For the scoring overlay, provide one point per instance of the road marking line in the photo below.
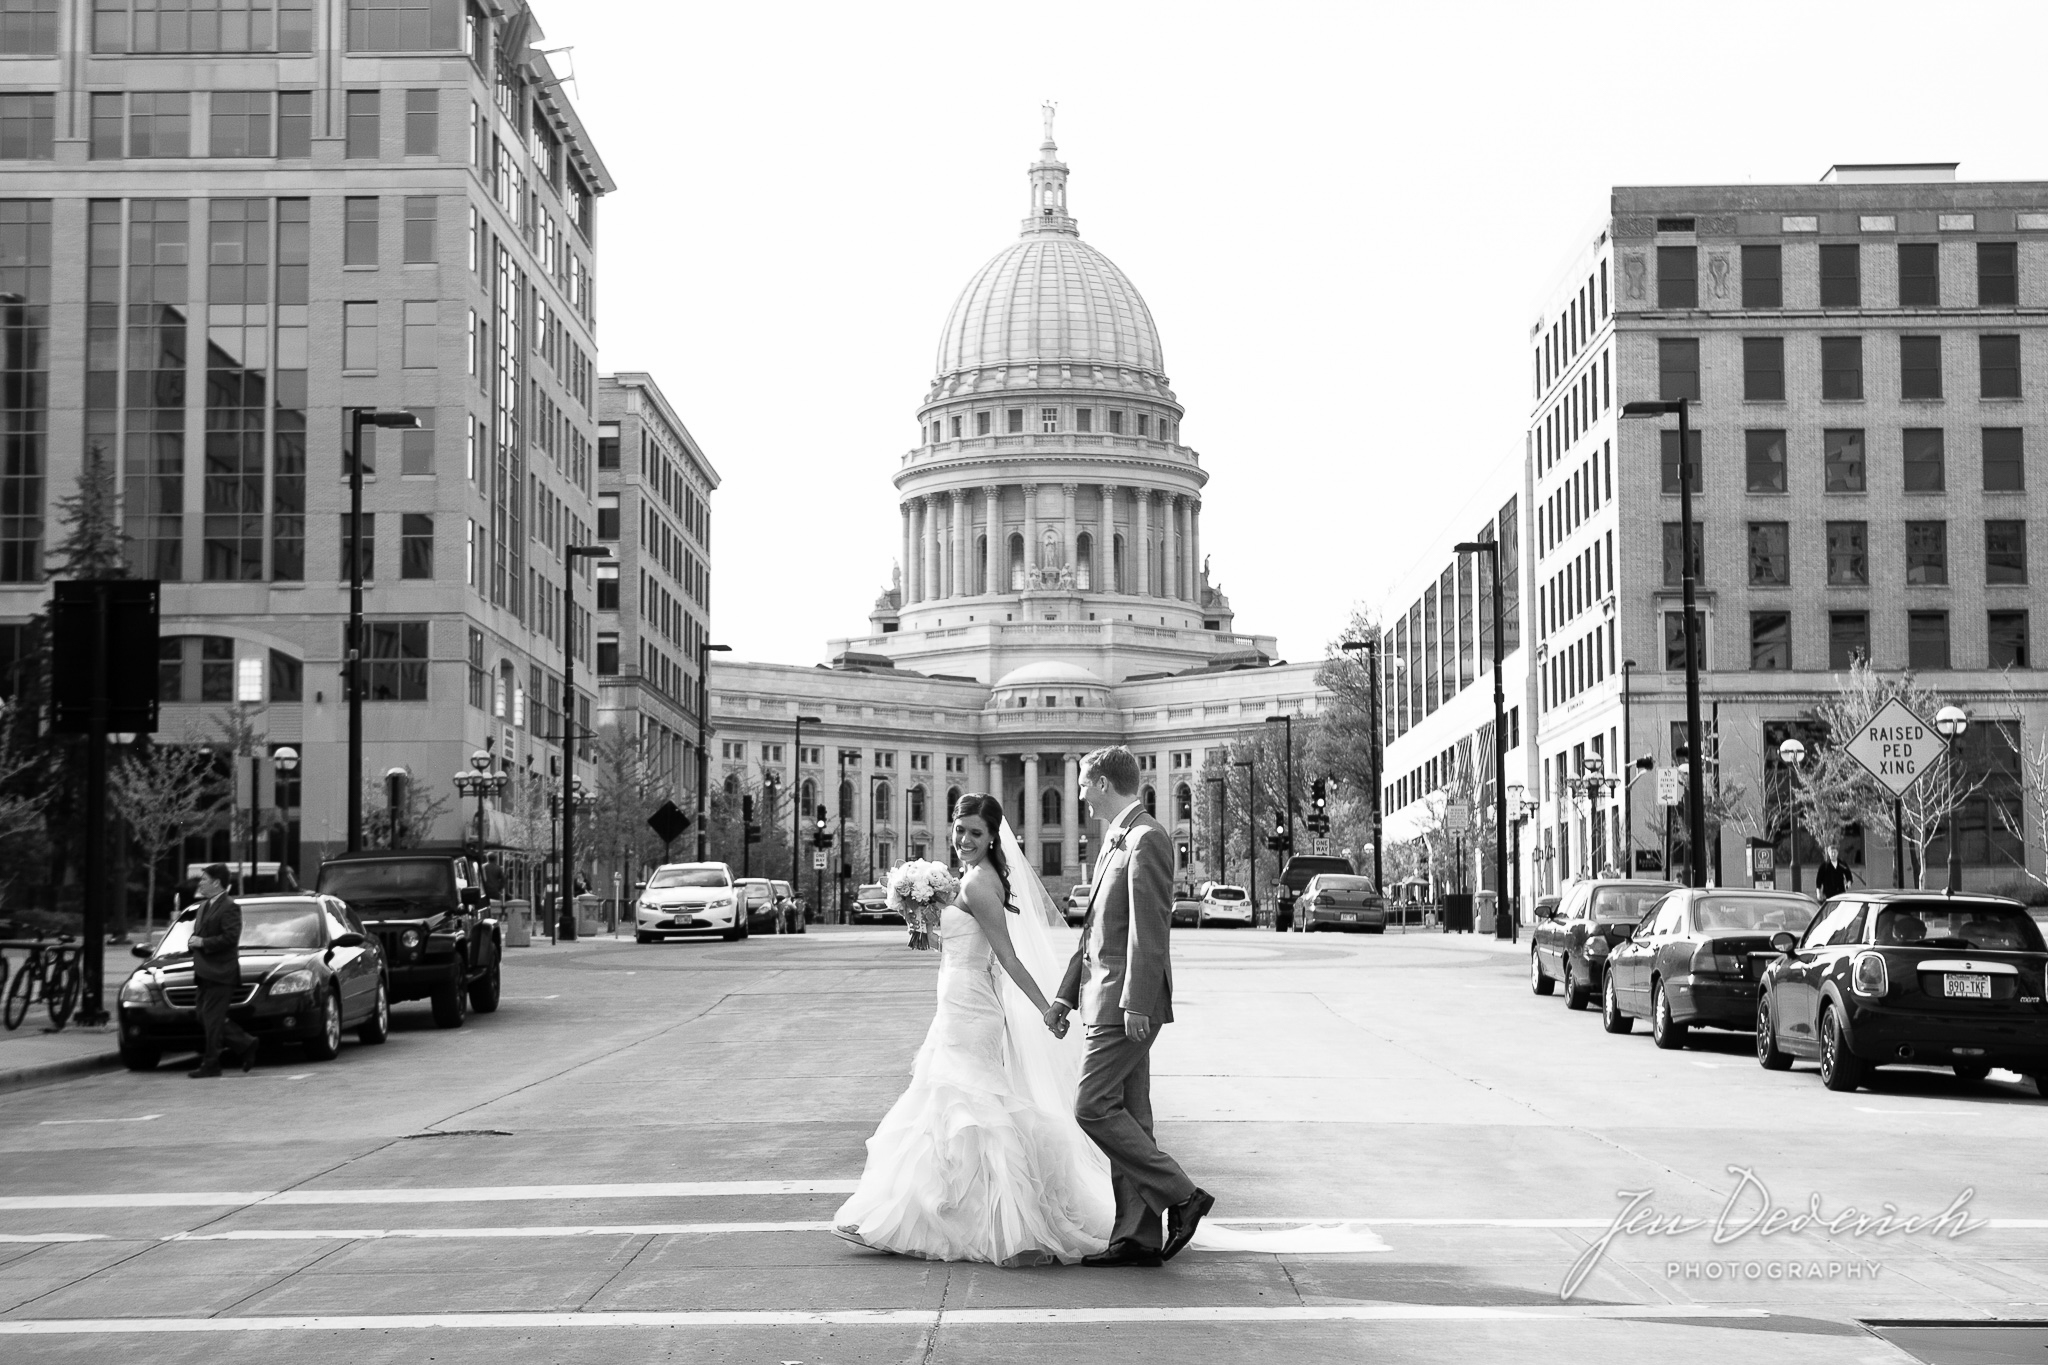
(586, 1230)
(1931, 1113)
(145, 1118)
(879, 1317)
(481, 1194)
(55, 1237)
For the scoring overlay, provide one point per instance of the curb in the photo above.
(22, 1077)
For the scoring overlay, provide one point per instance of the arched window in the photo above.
(952, 800)
(732, 784)
(917, 812)
(501, 700)
(1016, 562)
(1084, 561)
(1151, 803)
(1117, 574)
(882, 801)
(1049, 807)
(808, 797)
(1184, 804)
(981, 583)
(846, 801)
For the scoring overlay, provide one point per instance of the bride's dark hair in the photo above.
(990, 812)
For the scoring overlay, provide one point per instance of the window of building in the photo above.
(733, 750)
(1841, 276)
(1770, 554)
(1765, 460)
(109, 127)
(1848, 638)
(1770, 641)
(422, 122)
(1144, 424)
(416, 545)
(1848, 554)
(1674, 642)
(1762, 277)
(359, 337)
(1116, 422)
(885, 758)
(1926, 639)
(359, 231)
(1048, 419)
(608, 587)
(1668, 442)
(982, 421)
(1925, 460)
(415, 444)
(1674, 554)
(1919, 275)
(2006, 632)
(160, 123)
(421, 229)
(1013, 420)
(28, 126)
(348, 547)
(608, 445)
(1678, 277)
(1998, 366)
(363, 125)
(28, 28)
(422, 333)
(1998, 274)
(2005, 552)
(1927, 553)
(1843, 465)
(608, 653)
(1678, 368)
(404, 25)
(216, 668)
(397, 660)
(240, 123)
(607, 516)
(1919, 367)
(1084, 419)
(1841, 368)
(1763, 369)
(294, 123)
(2004, 460)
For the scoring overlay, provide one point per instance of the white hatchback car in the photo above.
(1076, 908)
(1223, 904)
(689, 900)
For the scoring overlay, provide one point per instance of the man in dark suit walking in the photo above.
(1832, 877)
(217, 971)
(1121, 982)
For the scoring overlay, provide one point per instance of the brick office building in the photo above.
(231, 226)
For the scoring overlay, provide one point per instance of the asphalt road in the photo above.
(634, 1159)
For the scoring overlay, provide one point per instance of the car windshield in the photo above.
(1226, 893)
(1613, 904)
(295, 925)
(394, 879)
(1761, 914)
(667, 877)
(1937, 924)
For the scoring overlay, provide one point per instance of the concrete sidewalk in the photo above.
(31, 1056)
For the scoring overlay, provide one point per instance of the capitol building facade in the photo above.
(1051, 597)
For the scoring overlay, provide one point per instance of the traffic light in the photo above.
(1277, 840)
(1182, 849)
(1321, 794)
(749, 831)
(821, 836)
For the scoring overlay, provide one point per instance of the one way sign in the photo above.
(1896, 746)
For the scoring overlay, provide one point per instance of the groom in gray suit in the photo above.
(1121, 981)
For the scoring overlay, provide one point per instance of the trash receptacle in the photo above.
(1485, 906)
(1458, 913)
(589, 919)
(518, 924)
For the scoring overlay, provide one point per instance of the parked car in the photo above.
(1223, 903)
(1187, 914)
(1295, 875)
(1695, 958)
(871, 905)
(1572, 943)
(1332, 900)
(688, 900)
(1887, 977)
(1076, 908)
(790, 907)
(758, 900)
(441, 941)
(310, 971)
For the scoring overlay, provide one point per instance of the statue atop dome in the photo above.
(1050, 108)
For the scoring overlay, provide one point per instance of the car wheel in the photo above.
(140, 1056)
(1972, 1072)
(1611, 1017)
(325, 1043)
(1539, 983)
(643, 938)
(735, 934)
(451, 1001)
(2040, 1080)
(1768, 1054)
(483, 992)
(1576, 997)
(1840, 1069)
(377, 1027)
(1665, 1031)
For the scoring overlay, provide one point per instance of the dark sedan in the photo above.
(309, 972)
(1334, 901)
(1908, 977)
(1695, 959)
(1187, 914)
(1572, 943)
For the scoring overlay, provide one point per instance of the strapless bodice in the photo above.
(961, 939)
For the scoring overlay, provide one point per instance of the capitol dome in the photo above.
(1049, 299)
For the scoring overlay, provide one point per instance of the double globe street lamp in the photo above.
(1591, 781)
(1950, 722)
(480, 782)
(1792, 753)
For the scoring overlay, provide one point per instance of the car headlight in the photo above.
(1869, 976)
(410, 938)
(135, 990)
(293, 983)
(725, 904)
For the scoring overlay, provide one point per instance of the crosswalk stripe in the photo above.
(881, 1317)
(686, 1189)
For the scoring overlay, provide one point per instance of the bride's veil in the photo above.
(1049, 1068)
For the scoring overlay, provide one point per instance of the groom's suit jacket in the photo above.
(1123, 963)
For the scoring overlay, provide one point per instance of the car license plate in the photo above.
(1349, 917)
(1971, 987)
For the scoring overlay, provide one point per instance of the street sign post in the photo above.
(1457, 817)
(1896, 746)
(668, 822)
(818, 861)
(1322, 847)
(1670, 786)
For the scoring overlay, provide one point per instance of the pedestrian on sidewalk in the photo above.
(1832, 878)
(217, 972)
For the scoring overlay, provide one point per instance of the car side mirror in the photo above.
(143, 950)
(1783, 942)
(472, 896)
(349, 940)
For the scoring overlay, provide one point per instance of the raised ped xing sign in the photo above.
(1896, 746)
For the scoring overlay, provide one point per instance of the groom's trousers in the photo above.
(1114, 1107)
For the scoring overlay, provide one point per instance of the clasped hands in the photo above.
(1137, 1027)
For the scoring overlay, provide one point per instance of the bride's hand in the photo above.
(1055, 1016)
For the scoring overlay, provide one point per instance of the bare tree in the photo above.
(161, 791)
(419, 810)
(22, 797)
(2029, 822)
(630, 785)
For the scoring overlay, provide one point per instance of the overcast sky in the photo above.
(1344, 218)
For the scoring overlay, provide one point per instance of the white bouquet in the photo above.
(918, 891)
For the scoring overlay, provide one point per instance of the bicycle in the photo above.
(50, 974)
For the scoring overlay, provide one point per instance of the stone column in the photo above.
(1032, 832)
(909, 569)
(1144, 540)
(1030, 530)
(1070, 802)
(995, 776)
(963, 540)
(1195, 549)
(994, 497)
(930, 537)
(1069, 494)
(1105, 543)
(1173, 546)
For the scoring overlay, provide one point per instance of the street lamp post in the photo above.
(1696, 796)
(572, 733)
(705, 650)
(1628, 786)
(1287, 805)
(286, 761)
(1251, 831)
(1375, 659)
(1500, 730)
(480, 783)
(353, 664)
(1950, 722)
(565, 805)
(1219, 818)
(1791, 753)
(796, 806)
(394, 805)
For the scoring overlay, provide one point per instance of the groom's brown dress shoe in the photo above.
(1124, 1252)
(1182, 1220)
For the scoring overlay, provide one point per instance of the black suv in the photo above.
(441, 942)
